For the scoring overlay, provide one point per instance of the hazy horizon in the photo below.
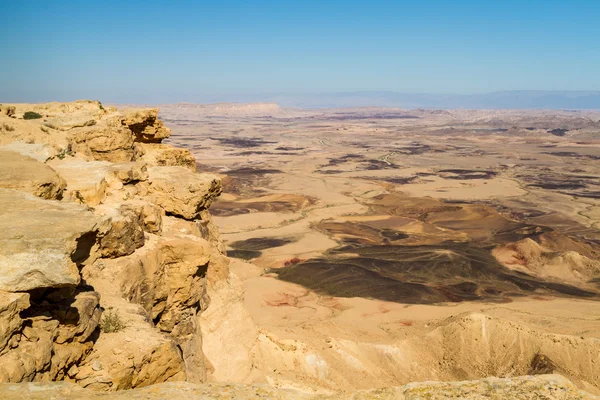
(204, 51)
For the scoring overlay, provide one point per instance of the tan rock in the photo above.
(137, 355)
(130, 172)
(103, 142)
(159, 154)
(29, 175)
(550, 387)
(167, 278)
(210, 231)
(42, 241)
(182, 192)
(86, 180)
(227, 328)
(11, 304)
(151, 214)
(39, 151)
(145, 125)
(55, 334)
(125, 231)
(7, 110)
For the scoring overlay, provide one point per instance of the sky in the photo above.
(167, 51)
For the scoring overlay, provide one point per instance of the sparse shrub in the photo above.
(8, 128)
(112, 322)
(64, 152)
(49, 125)
(32, 115)
(101, 106)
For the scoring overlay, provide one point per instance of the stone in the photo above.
(86, 180)
(117, 362)
(42, 242)
(125, 230)
(159, 154)
(131, 172)
(56, 330)
(151, 214)
(29, 175)
(145, 125)
(550, 387)
(181, 192)
(103, 142)
(39, 151)
(11, 304)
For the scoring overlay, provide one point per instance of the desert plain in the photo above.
(377, 247)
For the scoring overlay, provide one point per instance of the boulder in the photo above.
(151, 214)
(130, 172)
(42, 242)
(159, 154)
(181, 192)
(86, 180)
(145, 125)
(125, 231)
(103, 142)
(29, 175)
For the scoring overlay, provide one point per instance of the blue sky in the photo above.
(153, 51)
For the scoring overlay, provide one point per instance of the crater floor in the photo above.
(380, 247)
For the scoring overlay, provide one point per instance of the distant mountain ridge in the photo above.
(526, 99)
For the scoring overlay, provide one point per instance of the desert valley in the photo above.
(257, 251)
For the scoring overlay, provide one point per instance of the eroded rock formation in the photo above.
(96, 215)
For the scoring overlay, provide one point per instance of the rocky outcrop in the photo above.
(43, 242)
(550, 387)
(48, 332)
(29, 175)
(181, 193)
(103, 217)
(165, 155)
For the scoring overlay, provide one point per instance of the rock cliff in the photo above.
(106, 248)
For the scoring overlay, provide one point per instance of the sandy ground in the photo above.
(389, 246)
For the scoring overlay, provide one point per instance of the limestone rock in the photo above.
(136, 356)
(159, 154)
(210, 231)
(39, 151)
(11, 304)
(145, 125)
(42, 241)
(125, 232)
(152, 215)
(182, 192)
(130, 172)
(55, 334)
(86, 180)
(103, 142)
(550, 387)
(166, 277)
(29, 175)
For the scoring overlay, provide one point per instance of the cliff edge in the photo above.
(107, 248)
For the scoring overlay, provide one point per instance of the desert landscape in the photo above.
(256, 251)
(385, 246)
